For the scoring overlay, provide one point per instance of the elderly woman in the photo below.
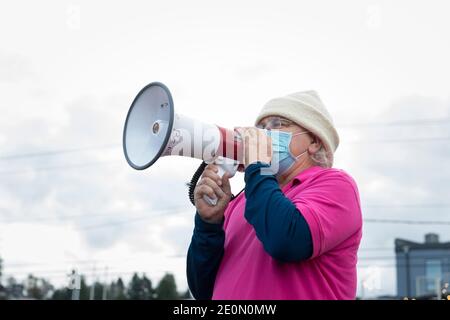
(295, 231)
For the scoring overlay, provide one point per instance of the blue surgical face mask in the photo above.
(281, 152)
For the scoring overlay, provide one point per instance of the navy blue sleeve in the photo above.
(204, 256)
(278, 224)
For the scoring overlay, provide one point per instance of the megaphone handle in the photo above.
(222, 168)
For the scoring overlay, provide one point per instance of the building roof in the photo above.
(400, 244)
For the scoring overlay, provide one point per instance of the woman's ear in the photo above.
(315, 145)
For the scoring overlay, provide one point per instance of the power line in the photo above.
(416, 122)
(125, 213)
(63, 272)
(388, 258)
(76, 264)
(110, 261)
(102, 163)
(139, 218)
(415, 205)
(115, 224)
(398, 221)
(367, 124)
(53, 218)
(138, 256)
(89, 214)
(57, 152)
(128, 257)
(412, 140)
(147, 216)
(381, 266)
(376, 249)
(177, 210)
(117, 274)
(63, 167)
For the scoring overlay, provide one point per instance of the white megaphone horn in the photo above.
(153, 130)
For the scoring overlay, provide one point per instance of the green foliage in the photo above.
(167, 288)
(117, 290)
(37, 288)
(1, 269)
(139, 288)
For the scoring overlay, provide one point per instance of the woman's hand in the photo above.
(214, 187)
(257, 145)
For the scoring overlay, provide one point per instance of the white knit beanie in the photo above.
(307, 110)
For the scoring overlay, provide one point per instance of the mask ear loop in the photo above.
(311, 142)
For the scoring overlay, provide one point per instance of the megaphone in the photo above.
(153, 130)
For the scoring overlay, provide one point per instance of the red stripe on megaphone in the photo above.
(231, 144)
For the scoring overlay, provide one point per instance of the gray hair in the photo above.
(323, 157)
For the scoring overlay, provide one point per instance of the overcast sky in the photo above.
(70, 69)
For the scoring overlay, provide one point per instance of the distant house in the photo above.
(423, 269)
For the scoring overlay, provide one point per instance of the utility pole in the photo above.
(74, 284)
(105, 285)
(92, 291)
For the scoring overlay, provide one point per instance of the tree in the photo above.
(37, 288)
(14, 289)
(62, 294)
(1, 269)
(117, 290)
(98, 290)
(120, 290)
(149, 293)
(3, 295)
(186, 295)
(134, 287)
(167, 288)
(140, 289)
(84, 288)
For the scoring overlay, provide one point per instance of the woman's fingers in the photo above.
(213, 176)
(226, 184)
(213, 185)
(202, 190)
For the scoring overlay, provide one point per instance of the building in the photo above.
(423, 269)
